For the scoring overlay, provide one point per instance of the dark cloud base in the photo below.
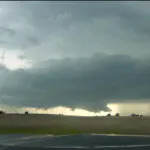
(88, 83)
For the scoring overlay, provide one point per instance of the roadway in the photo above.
(89, 142)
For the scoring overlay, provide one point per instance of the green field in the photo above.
(52, 124)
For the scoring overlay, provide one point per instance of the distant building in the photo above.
(136, 115)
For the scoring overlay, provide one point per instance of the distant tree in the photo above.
(26, 113)
(1, 112)
(108, 115)
(117, 114)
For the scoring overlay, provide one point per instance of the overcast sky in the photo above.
(74, 54)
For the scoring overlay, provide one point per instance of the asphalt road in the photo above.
(89, 142)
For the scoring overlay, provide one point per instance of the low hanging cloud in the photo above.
(59, 110)
(87, 83)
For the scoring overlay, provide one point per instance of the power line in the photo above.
(2, 58)
(10, 106)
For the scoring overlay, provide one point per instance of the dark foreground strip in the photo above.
(118, 147)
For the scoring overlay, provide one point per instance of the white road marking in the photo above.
(69, 147)
(122, 146)
(22, 140)
(98, 147)
(36, 138)
(128, 135)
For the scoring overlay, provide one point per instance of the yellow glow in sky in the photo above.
(128, 108)
(54, 110)
(125, 109)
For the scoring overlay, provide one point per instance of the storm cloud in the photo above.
(89, 83)
(82, 54)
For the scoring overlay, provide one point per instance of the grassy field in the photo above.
(52, 124)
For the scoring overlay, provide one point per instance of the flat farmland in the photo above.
(59, 125)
